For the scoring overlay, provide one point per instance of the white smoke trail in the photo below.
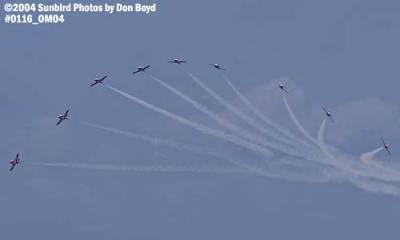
(314, 154)
(297, 123)
(262, 116)
(273, 171)
(169, 143)
(157, 140)
(143, 168)
(199, 127)
(206, 130)
(369, 156)
(321, 142)
(247, 119)
(376, 187)
(353, 168)
(361, 175)
(358, 174)
(334, 161)
(227, 124)
(170, 169)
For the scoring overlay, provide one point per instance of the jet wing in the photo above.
(217, 66)
(146, 67)
(59, 121)
(328, 114)
(388, 151)
(136, 71)
(103, 78)
(12, 167)
(385, 146)
(383, 141)
(93, 84)
(66, 113)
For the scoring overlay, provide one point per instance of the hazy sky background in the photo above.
(340, 54)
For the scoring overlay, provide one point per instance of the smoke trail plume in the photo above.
(249, 120)
(369, 156)
(263, 117)
(276, 170)
(143, 168)
(353, 168)
(199, 127)
(227, 124)
(297, 123)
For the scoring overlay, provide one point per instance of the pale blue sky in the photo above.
(340, 54)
